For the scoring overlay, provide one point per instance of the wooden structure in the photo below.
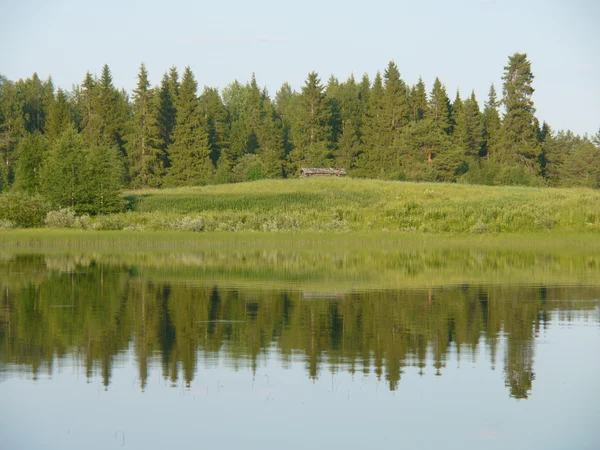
(319, 172)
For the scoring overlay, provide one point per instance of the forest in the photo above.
(79, 149)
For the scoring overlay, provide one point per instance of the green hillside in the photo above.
(361, 205)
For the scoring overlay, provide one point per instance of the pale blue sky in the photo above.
(464, 42)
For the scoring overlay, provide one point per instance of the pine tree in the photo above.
(333, 94)
(473, 126)
(103, 175)
(418, 101)
(349, 146)
(439, 106)
(12, 127)
(60, 116)
(517, 143)
(458, 126)
(491, 121)
(374, 131)
(286, 105)
(31, 151)
(106, 111)
(270, 140)
(396, 111)
(190, 150)
(216, 118)
(167, 96)
(63, 173)
(144, 145)
(312, 133)
(596, 138)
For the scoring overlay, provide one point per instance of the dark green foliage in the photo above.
(418, 101)
(473, 122)
(167, 135)
(105, 111)
(571, 161)
(144, 143)
(63, 173)
(85, 180)
(311, 131)
(23, 210)
(439, 107)
(103, 182)
(517, 142)
(167, 95)
(190, 151)
(491, 121)
(60, 116)
(32, 151)
(216, 118)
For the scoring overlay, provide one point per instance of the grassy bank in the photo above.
(363, 205)
(347, 205)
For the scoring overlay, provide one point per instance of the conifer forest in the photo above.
(80, 148)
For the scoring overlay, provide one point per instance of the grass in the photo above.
(366, 205)
(349, 205)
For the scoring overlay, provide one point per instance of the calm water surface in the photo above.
(300, 350)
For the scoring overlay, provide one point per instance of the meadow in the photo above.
(349, 205)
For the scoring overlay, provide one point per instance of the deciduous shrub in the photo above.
(24, 211)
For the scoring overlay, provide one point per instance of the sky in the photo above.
(466, 43)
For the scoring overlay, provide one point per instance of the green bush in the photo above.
(23, 210)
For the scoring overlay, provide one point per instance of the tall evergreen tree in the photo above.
(12, 127)
(144, 145)
(473, 126)
(60, 116)
(167, 97)
(418, 101)
(374, 131)
(396, 111)
(63, 173)
(312, 133)
(216, 118)
(517, 143)
(105, 111)
(491, 121)
(190, 150)
(32, 151)
(439, 106)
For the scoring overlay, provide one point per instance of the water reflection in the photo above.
(94, 307)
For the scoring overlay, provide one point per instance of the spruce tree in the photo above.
(216, 118)
(517, 144)
(374, 131)
(439, 106)
(190, 150)
(63, 176)
(491, 121)
(144, 145)
(396, 111)
(167, 95)
(60, 116)
(418, 101)
(286, 105)
(31, 151)
(312, 133)
(473, 126)
(103, 174)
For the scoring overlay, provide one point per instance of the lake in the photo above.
(293, 348)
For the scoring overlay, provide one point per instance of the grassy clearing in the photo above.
(363, 205)
(347, 205)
